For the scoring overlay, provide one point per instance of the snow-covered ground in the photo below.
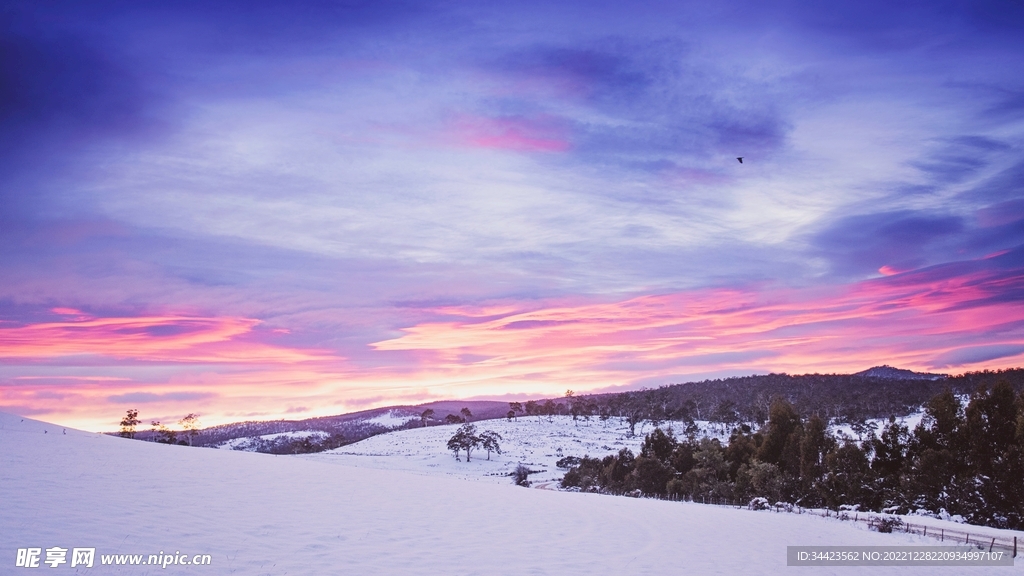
(537, 443)
(264, 514)
(391, 419)
(246, 442)
(878, 424)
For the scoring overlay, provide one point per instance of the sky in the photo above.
(259, 210)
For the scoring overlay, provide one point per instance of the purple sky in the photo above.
(257, 210)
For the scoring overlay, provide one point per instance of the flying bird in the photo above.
(740, 159)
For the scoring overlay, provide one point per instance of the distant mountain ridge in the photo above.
(890, 373)
(352, 426)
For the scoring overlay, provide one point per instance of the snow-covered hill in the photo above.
(536, 442)
(262, 514)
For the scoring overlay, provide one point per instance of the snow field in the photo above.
(536, 443)
(263, 514)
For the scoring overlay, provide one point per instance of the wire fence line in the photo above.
(885, 523)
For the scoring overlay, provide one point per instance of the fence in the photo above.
(950, 536)
(946, 535)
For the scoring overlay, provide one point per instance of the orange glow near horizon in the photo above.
(219, 367)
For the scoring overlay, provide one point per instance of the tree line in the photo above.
(965, 460)
(840, 398)
(160, 432)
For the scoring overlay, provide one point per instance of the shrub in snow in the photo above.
(886, 524)
(849, 508)
(784, 506)
(520, 476)
(568, 462)
(759, 503)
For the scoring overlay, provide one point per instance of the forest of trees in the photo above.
(839, 398)
(965, 460)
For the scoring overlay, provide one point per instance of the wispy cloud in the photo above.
(358, 203)
(146, 338)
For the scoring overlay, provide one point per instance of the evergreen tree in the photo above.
(659, 445)
(846, 478)
(782, 422)
(816, 442)
(990, 421)
(937, 476)
(890, 451)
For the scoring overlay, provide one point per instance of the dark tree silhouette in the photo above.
(489, 441)
(465, 438)
(190, 424)
(426, 415)
(128, 424)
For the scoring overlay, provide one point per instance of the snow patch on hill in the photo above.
(392, 419)
(247, 442)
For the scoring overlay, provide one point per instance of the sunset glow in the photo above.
(267, 211)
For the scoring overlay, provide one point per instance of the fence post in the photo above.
(925, 531)
(991, 545)
(968, 539)
(1014, 546)
(942, 534)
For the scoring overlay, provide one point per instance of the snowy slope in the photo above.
(263, 514)
(538, 443)
(246, 442)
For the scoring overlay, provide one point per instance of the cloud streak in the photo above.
(254, 210)
(147, 339)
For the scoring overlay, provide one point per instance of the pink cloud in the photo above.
(910, 323)
(941, 318)
(539, 134)
(146, 338)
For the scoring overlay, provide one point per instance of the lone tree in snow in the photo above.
(128, 424)
(515, 408)
(489, 441)
(426, 415)
(190, 424)
(466, 414)
(465, 438)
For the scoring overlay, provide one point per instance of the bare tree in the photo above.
(128, 424)
(190, 424)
